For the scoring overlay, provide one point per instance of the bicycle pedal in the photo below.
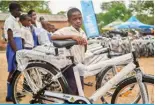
(103, 100)
(88, 84)
(20, 95)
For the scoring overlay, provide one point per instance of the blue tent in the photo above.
(133, 22)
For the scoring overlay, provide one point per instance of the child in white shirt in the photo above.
(28, 42)
(44, 35)
(12, 30)
(78, 51)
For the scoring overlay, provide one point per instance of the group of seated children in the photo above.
(28, 33)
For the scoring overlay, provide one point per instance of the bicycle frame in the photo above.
(77, 71)
(81, 70)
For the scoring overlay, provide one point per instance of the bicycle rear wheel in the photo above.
(125, 95)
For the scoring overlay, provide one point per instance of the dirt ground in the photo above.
(147, 65)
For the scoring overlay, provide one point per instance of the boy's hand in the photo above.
(80, 40)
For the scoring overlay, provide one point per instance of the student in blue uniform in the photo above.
(35, 26)
(12, 30)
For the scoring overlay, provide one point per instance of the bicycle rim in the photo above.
(41, 79)
(132, 96)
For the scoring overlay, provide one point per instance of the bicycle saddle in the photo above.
(64, 43)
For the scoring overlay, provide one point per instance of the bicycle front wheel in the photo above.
(40, 74)
(128, 91)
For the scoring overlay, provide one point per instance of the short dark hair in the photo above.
(23, 17)
(13, 6)
(30, 12)
(41, 18)
(72, 10)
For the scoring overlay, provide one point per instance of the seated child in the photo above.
(26, 34)
(44, 35)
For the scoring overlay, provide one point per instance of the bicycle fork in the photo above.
(142, 86)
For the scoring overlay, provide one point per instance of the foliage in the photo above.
(61, 13)
(107, 5)
(142, 9)
(115, 10)
(146, 19)
(38, 6)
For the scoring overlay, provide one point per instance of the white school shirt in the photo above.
(37, 28)
(12, 23)
(27, 36)
(43, 36)
(38, 24)
(78, 51)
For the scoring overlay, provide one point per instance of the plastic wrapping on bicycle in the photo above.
(112, 54)
(64, 43)
(122, 34)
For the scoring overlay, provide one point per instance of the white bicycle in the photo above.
(54, 78)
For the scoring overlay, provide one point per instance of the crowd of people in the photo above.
(23, 31)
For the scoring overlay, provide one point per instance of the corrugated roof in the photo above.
(48, 17)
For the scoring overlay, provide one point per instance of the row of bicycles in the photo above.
(119, 77)
(143, 45)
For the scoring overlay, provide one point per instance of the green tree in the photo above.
(149, 5)
(142, 6)
(61, 13)
(115, 10)
(107, 5)
(146, 19)
(38, 6)
(144, 10)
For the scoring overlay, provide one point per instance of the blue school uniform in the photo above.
(10, 54)
(49, 36)
(44, 36)
(35, 38)
(11, 60)
(12, 23)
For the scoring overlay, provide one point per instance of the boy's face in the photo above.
(26, 22)
(17, 12)
(76, 20)
(45, 25)
(34, 16)
(51, 28)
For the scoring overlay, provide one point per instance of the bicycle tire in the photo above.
(99, 81)
(43, 65)
(128, 81)
(100, 77)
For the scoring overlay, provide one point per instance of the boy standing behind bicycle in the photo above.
(74, 32)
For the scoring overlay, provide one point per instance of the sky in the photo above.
(63, 5)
